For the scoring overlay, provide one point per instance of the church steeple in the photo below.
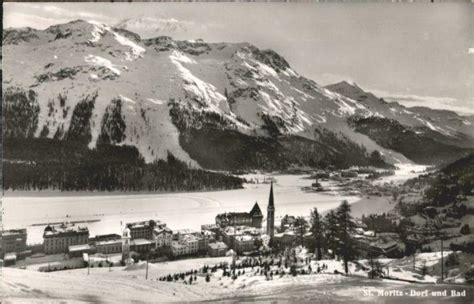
(271, 213)
(271, 205)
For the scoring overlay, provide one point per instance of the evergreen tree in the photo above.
(331, 227)
(317, 230)
(465, 229)
(345, 230)
(300, 225)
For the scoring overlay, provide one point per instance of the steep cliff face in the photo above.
(92, 83)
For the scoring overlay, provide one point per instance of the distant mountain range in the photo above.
(222, 106)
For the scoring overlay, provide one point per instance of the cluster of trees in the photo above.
(42, 163)
(454, 182)
(21, 112)
(181, 276)
(333, 234)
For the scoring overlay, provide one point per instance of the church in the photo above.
(253, 218)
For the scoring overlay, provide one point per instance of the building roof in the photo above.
(160, 230)
(184, 231)
(12, 232)
(218, 245)
(10, 256)
(140, 242)
(230, 215)
(240, 230)
(81, 247)
(64, 229)
(244, 238)
(176, 245)
(145, 224)
(256, 210)
(108, 242)
(105, 237)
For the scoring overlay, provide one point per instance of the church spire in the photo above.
(271, 213)
(270, 199)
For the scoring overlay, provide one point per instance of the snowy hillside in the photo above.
(89, 81)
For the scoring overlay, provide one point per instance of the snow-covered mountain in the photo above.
(99, 84)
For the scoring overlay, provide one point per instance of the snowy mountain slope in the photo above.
(446, 123)
(123, 88)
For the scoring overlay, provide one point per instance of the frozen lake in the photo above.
(178, 210)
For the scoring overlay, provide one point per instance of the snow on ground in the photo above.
(128, 284)
(403, 268)
(136, 50)
(118, 286)
(100, 61)
(403, 172)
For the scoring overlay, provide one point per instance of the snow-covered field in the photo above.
(120, 286)
(178, 210)
(128, 284)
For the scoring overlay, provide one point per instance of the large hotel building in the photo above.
(58, 238)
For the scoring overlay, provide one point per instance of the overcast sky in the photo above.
(420, 54)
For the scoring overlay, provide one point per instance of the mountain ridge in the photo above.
(123, 89)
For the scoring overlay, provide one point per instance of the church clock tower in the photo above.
(271, 214)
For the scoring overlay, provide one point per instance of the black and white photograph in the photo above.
(237, 152)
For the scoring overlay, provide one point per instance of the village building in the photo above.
(144, 229)
(13, 241)
(253, 218)
(9, 259)
(284, 239)
(109, 247)
(162, 236)
(217, 249)
(203, 242)
(76, 251)
(186, 244)
(58, 238)
(107, 244)
(292, 237)
(370, 244)
(141, 245)
(245, 243)
(241, 238)
(287, 222)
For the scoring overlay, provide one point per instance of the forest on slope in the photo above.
(42, 163)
